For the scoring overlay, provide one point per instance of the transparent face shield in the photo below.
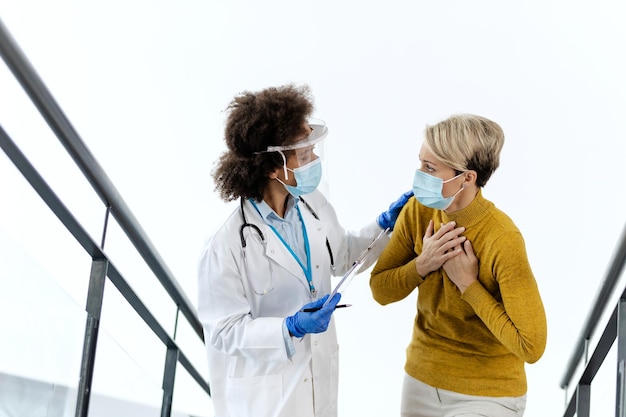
(306, 150)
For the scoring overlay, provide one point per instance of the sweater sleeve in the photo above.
(519, 320)
(395, 276)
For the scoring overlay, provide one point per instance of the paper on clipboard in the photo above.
(347, 277)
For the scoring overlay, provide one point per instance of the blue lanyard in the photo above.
(306, 269)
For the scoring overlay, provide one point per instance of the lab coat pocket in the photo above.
(262, 283)
(327, 385)
(260, 273)
(256, 396)
(334, 381)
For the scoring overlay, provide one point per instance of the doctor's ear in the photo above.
(274, 173)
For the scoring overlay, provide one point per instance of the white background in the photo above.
(145, 84)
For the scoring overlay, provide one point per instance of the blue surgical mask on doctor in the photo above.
(428, 190)
(307, 177)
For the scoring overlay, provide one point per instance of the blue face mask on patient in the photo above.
(428, 190)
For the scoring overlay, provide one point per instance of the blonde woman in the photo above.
(480, 316)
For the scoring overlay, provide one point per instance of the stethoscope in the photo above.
(256, 229)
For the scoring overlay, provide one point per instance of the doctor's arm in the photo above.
(348, 245)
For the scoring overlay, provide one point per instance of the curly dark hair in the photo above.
(271, 117)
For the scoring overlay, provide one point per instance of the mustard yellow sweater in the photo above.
(475, 343)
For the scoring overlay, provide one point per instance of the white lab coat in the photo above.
(242, 306)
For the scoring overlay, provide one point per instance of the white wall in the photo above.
(145, 83)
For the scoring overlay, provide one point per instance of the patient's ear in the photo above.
(470, 178)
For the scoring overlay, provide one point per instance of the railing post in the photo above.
(583, 400)
(620, 397)
(94, 310)
(169, 375)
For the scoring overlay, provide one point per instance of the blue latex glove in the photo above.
(387, 219)
(302, 323)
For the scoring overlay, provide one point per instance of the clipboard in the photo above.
(347, 277)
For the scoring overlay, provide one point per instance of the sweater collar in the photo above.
(471, 214)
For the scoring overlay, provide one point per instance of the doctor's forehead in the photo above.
(306, 131)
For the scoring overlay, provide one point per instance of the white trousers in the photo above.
(422, 400)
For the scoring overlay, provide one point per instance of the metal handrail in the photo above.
(92, 248)
(37, 91)
(598, 309)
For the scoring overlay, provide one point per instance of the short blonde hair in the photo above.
(467, 142)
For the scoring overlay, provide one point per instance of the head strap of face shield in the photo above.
(319, 131)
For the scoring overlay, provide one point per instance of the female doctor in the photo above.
(271, 259)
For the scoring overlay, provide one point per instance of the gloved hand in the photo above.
(387, 219)
(302, 323)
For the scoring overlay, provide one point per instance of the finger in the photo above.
(453, 233)
(333, 302)
(444, 228)
(469, 249)
(454, 244)
(317, 303)
(453, 252)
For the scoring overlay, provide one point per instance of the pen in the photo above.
(310, 310)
